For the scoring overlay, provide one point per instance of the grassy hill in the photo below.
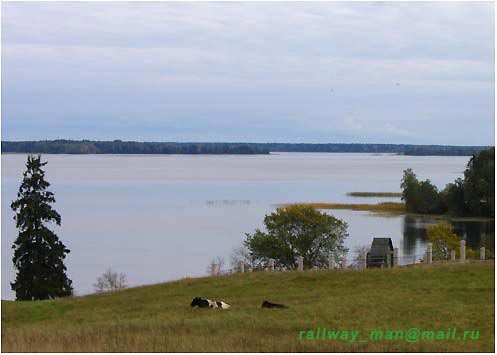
(158, 318)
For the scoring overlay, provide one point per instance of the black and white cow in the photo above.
(205, 303)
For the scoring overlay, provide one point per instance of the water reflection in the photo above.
(474, 231)
(414, 230)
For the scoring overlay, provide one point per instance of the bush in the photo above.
(472, 254)
(444, 240)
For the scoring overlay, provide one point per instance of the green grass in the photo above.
(158, 318)
(374, 194)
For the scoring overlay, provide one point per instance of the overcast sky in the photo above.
(420, 73)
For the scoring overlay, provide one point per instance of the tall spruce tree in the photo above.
(38, 252)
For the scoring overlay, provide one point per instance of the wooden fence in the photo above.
(404, 260)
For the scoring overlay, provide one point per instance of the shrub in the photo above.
(444, 240)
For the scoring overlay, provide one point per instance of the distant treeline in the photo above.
(405, 149)
(63, 146)
(121, 147)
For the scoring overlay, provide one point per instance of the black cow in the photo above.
(267, 304)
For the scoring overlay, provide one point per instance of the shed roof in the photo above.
(381, 245)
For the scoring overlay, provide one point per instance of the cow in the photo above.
(267, 304)
(205, 303)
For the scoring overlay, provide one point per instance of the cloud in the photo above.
(167, 64)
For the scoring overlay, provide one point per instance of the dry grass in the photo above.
(374, 194)
(158, 318)
(391, 207)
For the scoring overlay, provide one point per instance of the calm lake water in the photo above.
(163, 217)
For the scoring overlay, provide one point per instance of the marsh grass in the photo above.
(391, 207)
(158, 318)
(374, 194)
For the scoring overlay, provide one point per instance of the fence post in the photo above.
(429, 253)
(214, 269)
(300, 263)
(365, 259)
(344, 262)
(482, 253)
(389, 260)
(271, 264)
(452, 255)
(242, 266)
(331, 262)
(395, 257)
(462, 246)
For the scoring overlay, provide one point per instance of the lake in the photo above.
(163, 217)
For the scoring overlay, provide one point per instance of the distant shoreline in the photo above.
(63, 146)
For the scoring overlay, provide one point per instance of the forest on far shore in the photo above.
(63, 146)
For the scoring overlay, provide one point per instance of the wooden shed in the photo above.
(377, 256)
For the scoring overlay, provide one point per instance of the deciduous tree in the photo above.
(298, 230)
(110, 281)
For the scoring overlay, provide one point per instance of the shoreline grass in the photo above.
(158, 318)
(389, 208)
(374, 194)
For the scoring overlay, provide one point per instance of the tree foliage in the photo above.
(420, 196)
(444, 240)
(453, 198)
(298, 230)
(472, 196)
(38, 252)
(479, 183)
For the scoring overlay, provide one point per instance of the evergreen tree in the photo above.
(38, 252)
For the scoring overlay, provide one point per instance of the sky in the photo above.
(358, 72)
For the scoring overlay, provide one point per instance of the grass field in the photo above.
(158, 318)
